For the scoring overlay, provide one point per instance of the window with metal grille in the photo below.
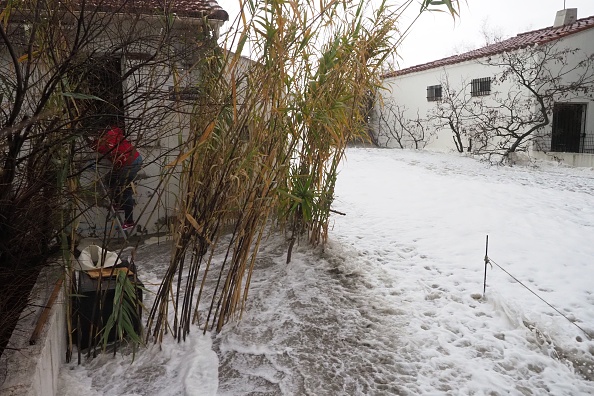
(433, 93)
(187, 94)
(101, 76)
(481, 86)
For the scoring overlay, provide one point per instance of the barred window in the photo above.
(481, 86)
(184, 94)
(433, 93)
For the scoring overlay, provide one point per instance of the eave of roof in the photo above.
(187, 8)
(522, 40)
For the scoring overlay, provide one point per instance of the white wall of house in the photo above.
(409, 93)
(584, 41)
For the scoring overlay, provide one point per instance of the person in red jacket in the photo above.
(126, 162)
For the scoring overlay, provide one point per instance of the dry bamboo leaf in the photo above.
(207, 133)
(23, 58)
(180, 158)
(194, 223)
(234, 96)
(197, 227)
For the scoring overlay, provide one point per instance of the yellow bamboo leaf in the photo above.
(206, 133)
(180, 158)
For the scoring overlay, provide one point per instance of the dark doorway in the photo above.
(568, 128)
(104, 80)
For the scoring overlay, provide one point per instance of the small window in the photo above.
(433, 93)
(481, 86)
(184, 94)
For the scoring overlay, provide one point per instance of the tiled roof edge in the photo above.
(185, 8)
(522, 40)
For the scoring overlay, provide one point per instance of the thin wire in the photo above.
(542, 299)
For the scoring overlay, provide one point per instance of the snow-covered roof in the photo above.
(522, 40)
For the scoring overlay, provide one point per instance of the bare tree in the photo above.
(489, 35)
(514, 114)
(395, 127)
(539, 77)
(451, 113)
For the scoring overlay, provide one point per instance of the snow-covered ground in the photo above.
(393, 304)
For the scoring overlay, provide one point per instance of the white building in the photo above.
(528, 94)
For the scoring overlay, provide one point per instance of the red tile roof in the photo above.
(188, 8)
(522, 40)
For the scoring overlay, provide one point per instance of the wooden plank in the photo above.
(107, 272)
(45, 313)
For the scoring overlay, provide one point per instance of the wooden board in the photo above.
(107, 272)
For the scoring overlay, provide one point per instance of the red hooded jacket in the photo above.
(114, 146)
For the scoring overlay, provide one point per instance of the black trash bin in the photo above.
(92, 303)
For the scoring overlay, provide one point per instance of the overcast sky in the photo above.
(437, 35)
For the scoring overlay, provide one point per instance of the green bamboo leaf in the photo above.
(126, 323)
(241, 43)
(289, 195)
(448, 3)
(78, 95)
(106, 330)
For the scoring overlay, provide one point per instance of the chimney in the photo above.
(565, 17)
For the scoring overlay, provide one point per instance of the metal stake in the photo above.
(486, 262)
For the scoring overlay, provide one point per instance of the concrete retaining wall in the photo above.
(32, 370)
(572, 159)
